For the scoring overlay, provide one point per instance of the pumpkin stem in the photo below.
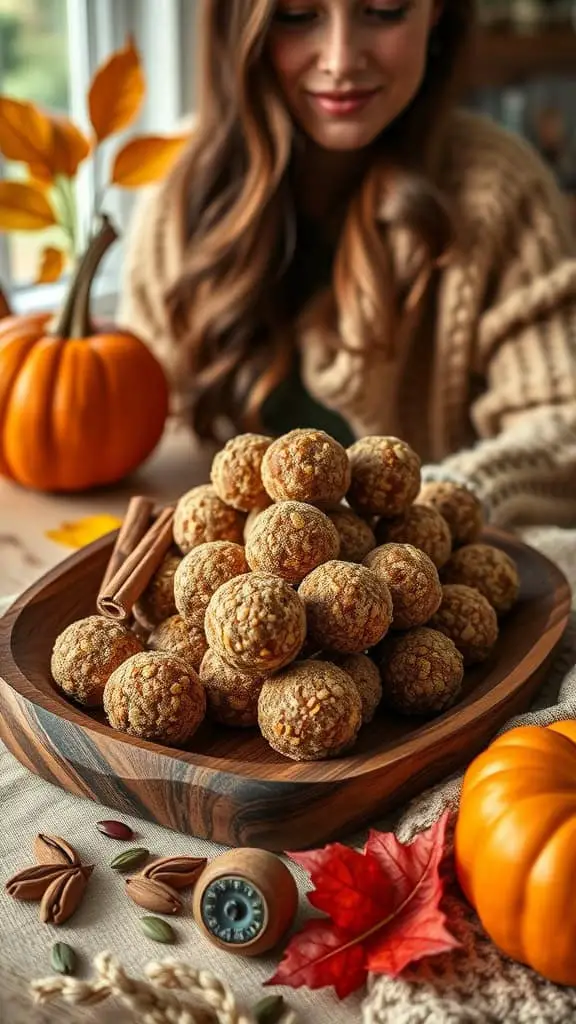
(75, 320)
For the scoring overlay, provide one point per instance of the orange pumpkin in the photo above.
(78, 408)
(515, 846)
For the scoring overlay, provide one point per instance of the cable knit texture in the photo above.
(483, 382)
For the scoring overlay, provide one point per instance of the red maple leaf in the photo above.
(383, 906)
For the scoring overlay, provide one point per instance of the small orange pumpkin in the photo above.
(515, 846)
(78, 407)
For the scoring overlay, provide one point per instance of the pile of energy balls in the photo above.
(309, 588)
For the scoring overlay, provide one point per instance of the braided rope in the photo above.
(153, 1001)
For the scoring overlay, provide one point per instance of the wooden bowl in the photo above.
(230, 786)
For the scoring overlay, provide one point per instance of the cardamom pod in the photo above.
(178, 872)
(157, 929)
(129, 858)
(64, 895)
(269, 1010)
(54, 850)
(63, 958)
(31, 883)
(153, 895)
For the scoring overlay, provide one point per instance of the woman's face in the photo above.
(348, 68)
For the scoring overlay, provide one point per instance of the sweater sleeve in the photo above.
(524, 465)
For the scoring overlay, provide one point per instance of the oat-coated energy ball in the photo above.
(157, 601)
(412, 579)
(366, 676)
(348, 607)
(421, 672)
(256, 623)
(422, 527)
(306, 465)
(86, 653)
(488, 569)
(458, 505)
(469, 620)
(251, 519)
(156, 696)
(236, 474)
(385, 476)
(176, 636)
(290, 539)
(201, 516)
(310, 711)
(356, 536)
(232, 695)
(201, 572)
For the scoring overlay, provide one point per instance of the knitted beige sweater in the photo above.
(484, 384)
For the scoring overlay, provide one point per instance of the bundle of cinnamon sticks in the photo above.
(142, 542)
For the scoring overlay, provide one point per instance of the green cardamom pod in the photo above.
(129, 859)
(269, 1010)
(157, 929)
(63, 958)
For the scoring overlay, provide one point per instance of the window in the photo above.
(48, 52)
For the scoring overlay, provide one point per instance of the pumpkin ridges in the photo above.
(551, 898)
(29, 448)
(14, 353)
(78, 398)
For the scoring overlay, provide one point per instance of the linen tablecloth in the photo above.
(472, 984)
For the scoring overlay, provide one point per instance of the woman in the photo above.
(340, 247)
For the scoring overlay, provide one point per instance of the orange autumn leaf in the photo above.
(26, 134)
(24, 207)
(52, 263)
(146, 159)
(116, 92)
(70, 147)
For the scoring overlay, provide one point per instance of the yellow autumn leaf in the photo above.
(52, 263)
(146, 159)
(26, 134)
(116, 92)
(24, 207)
(83, 531)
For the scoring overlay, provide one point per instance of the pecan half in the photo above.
(153, 895)
(31, 883)
(63, 897)
(54, 850)
(178, 872)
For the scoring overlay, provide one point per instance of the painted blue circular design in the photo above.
(233, 910)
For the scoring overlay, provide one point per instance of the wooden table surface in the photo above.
(25, 516)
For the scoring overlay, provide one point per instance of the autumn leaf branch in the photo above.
(53, 149)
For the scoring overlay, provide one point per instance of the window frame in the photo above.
(95, 29)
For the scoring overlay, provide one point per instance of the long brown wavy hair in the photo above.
(225, 308)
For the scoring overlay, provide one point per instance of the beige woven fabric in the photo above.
(473, 984)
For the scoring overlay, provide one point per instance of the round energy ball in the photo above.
(348, 607)
(201, 572)
(385, 476)
(86, 653)
(310, 711)
(366, 676)
(256, 623)
(201, 516)
(422, 527)
(306, 465)
(489, 570)
(290, 539)
(156, 696)
(469, 620)
(235, 472)
(176, 636)
(156, 603)
(356, 536)
(412, 579)
(461, 509)
(232, 695)
(421, 672)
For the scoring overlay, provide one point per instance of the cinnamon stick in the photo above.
(134, 525)
(118, 597)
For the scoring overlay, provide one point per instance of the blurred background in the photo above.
(523, 75)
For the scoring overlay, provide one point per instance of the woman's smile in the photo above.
(342, 103)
